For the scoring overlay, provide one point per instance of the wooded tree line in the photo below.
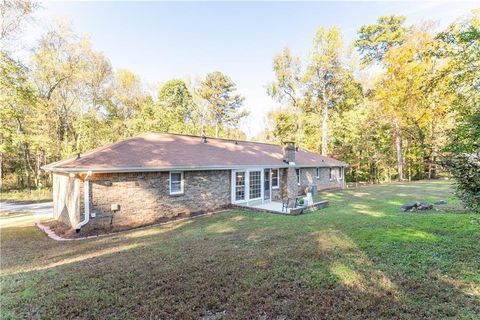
(401, 102)
(68, 99)
(392, 104)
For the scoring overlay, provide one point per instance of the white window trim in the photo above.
(234, 186)
(340, 173)
(318, 172)
(330, 174)
(278, 179)
(298, 176)
(170, 183)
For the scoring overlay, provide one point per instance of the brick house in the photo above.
(159, 176)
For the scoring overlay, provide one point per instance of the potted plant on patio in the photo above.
(301, 202)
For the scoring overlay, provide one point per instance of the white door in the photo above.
(247, 185)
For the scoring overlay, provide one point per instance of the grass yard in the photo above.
(359, 258)
(35, 195)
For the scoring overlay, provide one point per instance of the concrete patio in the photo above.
(276, 207)
(273, 206)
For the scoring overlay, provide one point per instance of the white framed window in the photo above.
(176, 182)
(298, 176)
(330, 174)
(255, 185)
(275, 179)
(340, 173)
(240, 185)
(318, 173)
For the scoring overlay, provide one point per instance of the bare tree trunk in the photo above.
(38, 172)
(26, 154)
(1, 163)
(1, 170)
(19, 181)
(29, 185)
(325, 130)
(399, 147)
(44, 156)
(409, 160)
(432, 169)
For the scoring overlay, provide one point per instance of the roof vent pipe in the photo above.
(204, 139)
(86, 202)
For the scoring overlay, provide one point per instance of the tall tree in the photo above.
(460, 45)
(325, 77)
(286, 89)
(310, 94)
(219, 91)
(376, 39)
(374, 42)
(125, 100)
(17, 96)
(13, 15)
(71, 81)
(17, 113)
(173, 112)
(285, 125)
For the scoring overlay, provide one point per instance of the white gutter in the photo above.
(185, 168)
(86, 202)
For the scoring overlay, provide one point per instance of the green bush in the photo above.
(465, 168)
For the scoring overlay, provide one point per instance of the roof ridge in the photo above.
(208, 137)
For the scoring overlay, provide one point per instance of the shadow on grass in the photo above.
(340, 262)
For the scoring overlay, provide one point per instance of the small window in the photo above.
(340, 173)
(274, 178)
(176, 182)
(298, 176)
(318, 173)
(330, 173)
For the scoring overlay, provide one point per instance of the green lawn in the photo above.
(359, 258)
(34, 195)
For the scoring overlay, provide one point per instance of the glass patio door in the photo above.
(266, 184)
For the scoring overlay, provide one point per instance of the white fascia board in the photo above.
(156, 169)
(179, 168)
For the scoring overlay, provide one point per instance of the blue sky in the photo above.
(163, 40)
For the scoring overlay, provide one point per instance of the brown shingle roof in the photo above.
(152, 150)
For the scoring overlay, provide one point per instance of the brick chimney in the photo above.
(289, 153)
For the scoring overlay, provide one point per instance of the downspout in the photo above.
(86, 201)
